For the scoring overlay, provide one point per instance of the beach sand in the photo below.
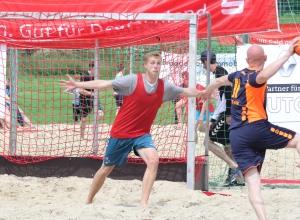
(63, 198)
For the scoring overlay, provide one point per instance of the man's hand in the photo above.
(67, 84)
(204, 95)
(293, 44)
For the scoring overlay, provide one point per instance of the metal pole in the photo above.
(3, 56)
(131, 59)
(192, 103)
(13, 108)
(202, 181)
(205, 168)
(96, 99)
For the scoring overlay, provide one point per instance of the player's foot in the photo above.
(234, 183)
(232, 174)
(144, 206)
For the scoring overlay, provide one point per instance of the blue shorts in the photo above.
(250, 142)
(198, 112)
(117, 149)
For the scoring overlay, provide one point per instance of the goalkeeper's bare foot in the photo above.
(88, 202)
(144, 206)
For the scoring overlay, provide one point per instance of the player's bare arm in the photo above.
(191, 92)
(210, 90)
(95, 84)
(274, 67)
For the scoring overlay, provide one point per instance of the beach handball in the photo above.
(297, 48)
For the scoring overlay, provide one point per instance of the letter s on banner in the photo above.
(234, 7)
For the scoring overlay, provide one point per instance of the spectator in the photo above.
(119, 98)
(86, 100)
(22, 119)
(220, 121)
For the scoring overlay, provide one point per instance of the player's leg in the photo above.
(98, 182)
(295, 143)
(116, 153)
(219, 152)
(253, 181)
(219, 133)
(179, 110)
(100, 111)
(82, 126)
(174, 101)
(239, 179)
(146, 149)
(150, 157)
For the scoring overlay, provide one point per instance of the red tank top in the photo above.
(138, 111)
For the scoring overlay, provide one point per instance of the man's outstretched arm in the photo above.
(221, 81)
(191, 92)
(94, 84)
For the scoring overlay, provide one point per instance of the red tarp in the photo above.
(288, 33)
(230, 40)
(228, 17)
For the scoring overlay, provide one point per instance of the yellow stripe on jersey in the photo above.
(236, 88)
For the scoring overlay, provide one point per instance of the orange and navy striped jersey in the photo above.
(248, 99)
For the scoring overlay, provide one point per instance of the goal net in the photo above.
(39, 121)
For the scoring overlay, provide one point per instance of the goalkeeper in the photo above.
(143, 96)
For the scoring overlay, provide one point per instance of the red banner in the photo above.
(230, 40)
(228, 17)
(288, 32)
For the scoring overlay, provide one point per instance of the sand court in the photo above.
(63, 198)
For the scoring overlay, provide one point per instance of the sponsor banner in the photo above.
(172, 67)
(283, 98)
(229, 17)
(287, 33)
(174, 64)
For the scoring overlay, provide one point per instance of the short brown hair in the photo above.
(152, 54)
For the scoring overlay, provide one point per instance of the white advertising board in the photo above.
(283, 98)
(173, 64)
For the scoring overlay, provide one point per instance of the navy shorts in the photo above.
(117, 149)
(250, 142)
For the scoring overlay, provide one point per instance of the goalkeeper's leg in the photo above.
(150, 157)
(98, 181)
